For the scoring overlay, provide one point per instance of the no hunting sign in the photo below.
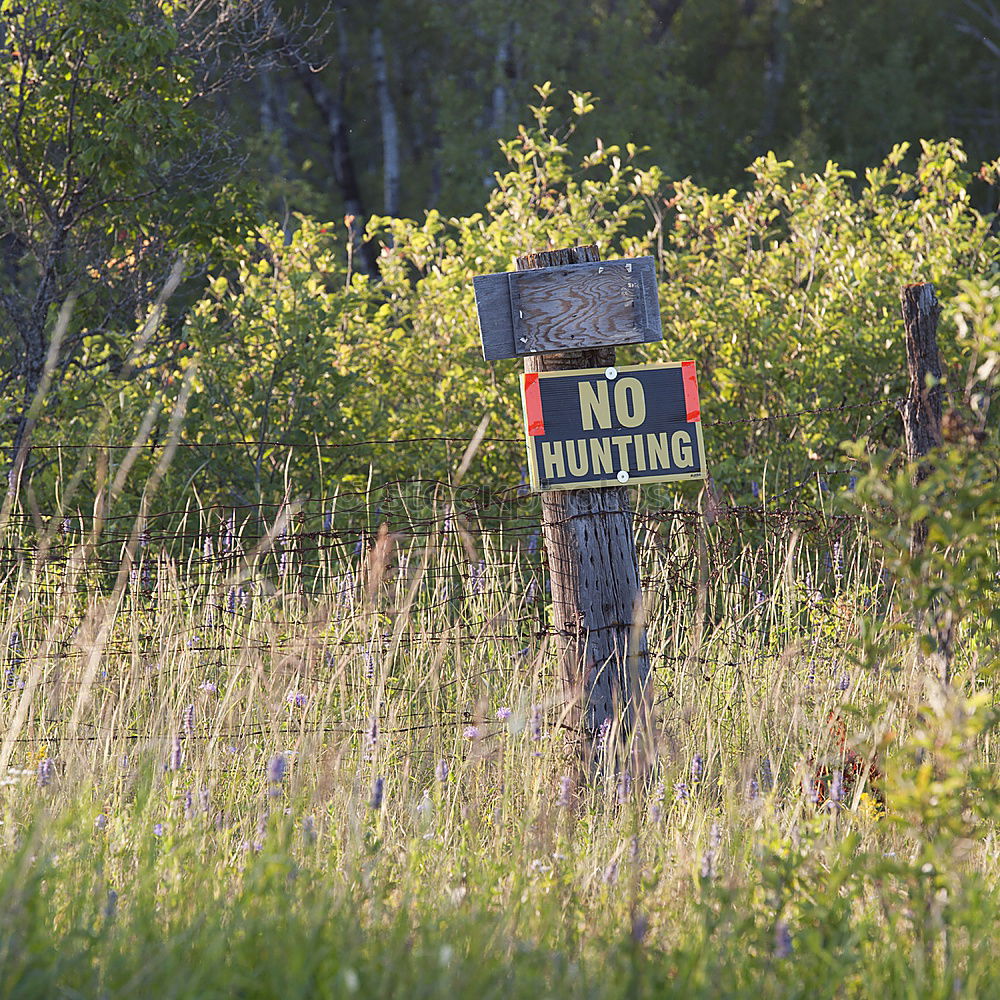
(608, 426)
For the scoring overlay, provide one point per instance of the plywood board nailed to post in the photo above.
(568, 307)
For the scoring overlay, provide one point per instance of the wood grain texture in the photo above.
(568, 307)
(596, 593)
(579, 306)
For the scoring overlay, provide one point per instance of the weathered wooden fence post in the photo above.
(922, 408)
(590, 429)
(921, 413)
(594, 574)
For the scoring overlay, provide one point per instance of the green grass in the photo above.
(157, 857)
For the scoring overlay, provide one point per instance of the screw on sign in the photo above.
(593, 428)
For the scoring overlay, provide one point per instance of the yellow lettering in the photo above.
(600, 456)
(594, 402)
(553, 461)
(630, 402)
(682, 449)
(659, 450)
(621, 442)
(576, 457)
(639, 443)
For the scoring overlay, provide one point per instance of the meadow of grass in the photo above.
(262, 753)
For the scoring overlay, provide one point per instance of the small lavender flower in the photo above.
(187, 720)
(369, 664)
(277, 767)
(188, 804)
(441, 771)
(697, 768)
(837, 786)
(503, 713)
(46, 771)
(600, 743)
(535, 724)
(378, 787)
(296, 699)
(176, 755)
(844, 681)
(681, 791)
(471, 732)
(753, 790)
(208, 687)
(158, 830)
(309, 829)
(782, 940)
(532, 543)
(640, 927)
(231, 601)
(565, 797)
(100, 821)
(371, 736)
(755, 489)
(111, 906)
(207, 550)
(708, 865)
(656, 799)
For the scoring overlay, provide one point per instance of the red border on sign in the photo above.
(533, 404)
(691, 401)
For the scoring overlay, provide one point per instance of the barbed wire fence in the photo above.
(371, 574)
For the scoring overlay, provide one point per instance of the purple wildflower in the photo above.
(208, 687)
(503, 713)
(378, 787)
(782, 940)
(844, 681)
(111, 907)
(681, 792)
(176, 755)
(158, 830)
(697, 768)
(565, 797)
(188, 804)
(441, 771)
(533, 543)
(296, 698)
(46, 771)
(100, 821)
(837, 786)
(277, 767)
(602, 735)
(187, 720)
(471, 732)
(536, 722)
(753, 790)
